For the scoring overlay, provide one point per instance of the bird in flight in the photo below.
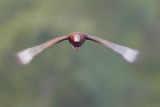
(77, 39)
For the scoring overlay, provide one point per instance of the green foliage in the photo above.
(92, 77)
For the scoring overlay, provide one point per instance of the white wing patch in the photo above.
(130, 55)
(25, 56)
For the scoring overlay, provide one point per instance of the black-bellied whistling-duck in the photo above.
(77, 39)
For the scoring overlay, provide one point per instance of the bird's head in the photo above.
(77, 39)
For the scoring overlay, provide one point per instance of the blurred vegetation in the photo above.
(92, 77)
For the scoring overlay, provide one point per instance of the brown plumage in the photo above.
(77, 39)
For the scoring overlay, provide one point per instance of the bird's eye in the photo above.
(76, 38)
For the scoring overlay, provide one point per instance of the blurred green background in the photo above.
(92, 77)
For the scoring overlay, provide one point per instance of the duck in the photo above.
(76, 39)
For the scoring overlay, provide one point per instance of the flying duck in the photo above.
(77, 39)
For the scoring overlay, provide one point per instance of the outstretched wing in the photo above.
(129, 54)
(25, 56)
